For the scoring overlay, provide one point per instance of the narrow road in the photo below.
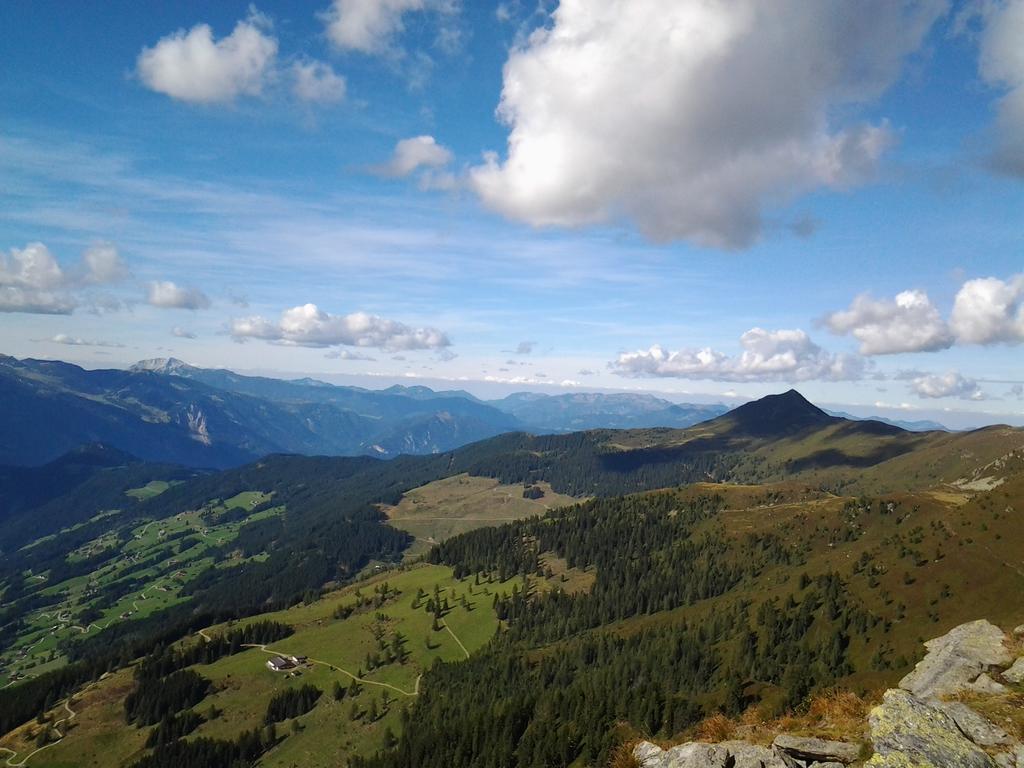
(85, 630)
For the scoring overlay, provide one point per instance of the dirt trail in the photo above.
(334, 667)
(456, 637)
(60, 737)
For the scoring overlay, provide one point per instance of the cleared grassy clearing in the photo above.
(149, 490)
(445, 508)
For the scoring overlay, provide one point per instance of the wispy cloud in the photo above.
(77, 341)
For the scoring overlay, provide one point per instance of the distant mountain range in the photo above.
(165, 410)
(919, 425)
(578, 411)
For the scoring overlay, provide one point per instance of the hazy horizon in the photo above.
(493, 390)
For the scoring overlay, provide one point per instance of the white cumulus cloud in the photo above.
(950, 384)
(367, 26)
(782, 355)
(317, 82)
(989, 311)
(691, 119)
(191, 66)
(183, 333)
(310, 326)
(33, 281)
(414, 153)
(908, 323)
(169, 295)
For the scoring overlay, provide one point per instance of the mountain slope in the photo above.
(23, 488)
(643, 612)
(167, 411)
(52, 408)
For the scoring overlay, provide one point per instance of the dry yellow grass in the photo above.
(622, 757)
(444, 508)
(716, 728)
(837, 708)
(832, 714)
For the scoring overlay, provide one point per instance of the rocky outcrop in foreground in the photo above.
(918, 725)
(786, 752)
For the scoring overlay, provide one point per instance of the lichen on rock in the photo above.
(908, 733)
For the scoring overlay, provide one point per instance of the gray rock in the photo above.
(817, 750)
(648, 754)
(956, 659)
(696, 755)
(746, 755)
(1019, 631)
(1015, 674)
(690, 755)
(787, 759)
(1012, 759)
(985, 684)
(978, 729)
(909, 733)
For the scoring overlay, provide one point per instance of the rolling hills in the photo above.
(744, 562)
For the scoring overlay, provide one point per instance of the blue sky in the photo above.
(664, 180)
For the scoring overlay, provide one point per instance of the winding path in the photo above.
(60, 737)
(336, 668)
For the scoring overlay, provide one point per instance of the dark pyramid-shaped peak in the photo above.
(778, 415)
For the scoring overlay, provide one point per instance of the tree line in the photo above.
(558, 686)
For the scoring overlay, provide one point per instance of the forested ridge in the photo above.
(560, 681)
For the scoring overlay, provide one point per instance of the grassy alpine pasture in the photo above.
(154, 560)
(338, 651)
(444, 508)
(149, 490)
